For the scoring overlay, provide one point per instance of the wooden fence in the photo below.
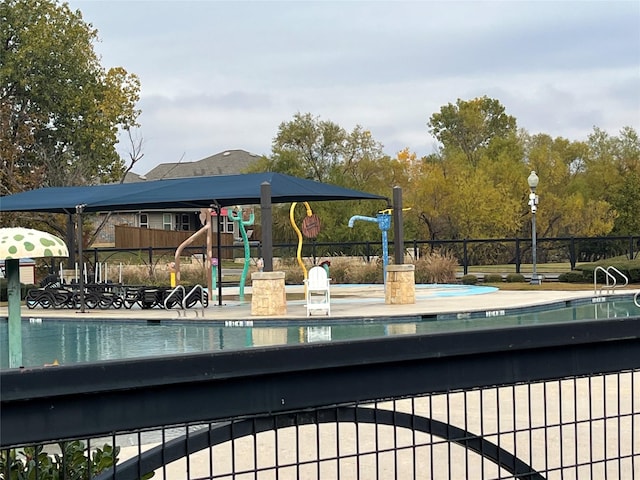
(136, 237)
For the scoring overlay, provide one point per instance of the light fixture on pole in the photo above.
(533, 203)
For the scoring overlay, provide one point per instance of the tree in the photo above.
(566, 207)
(322, 150)
(612, 173)
(60, 110)
(470, 126)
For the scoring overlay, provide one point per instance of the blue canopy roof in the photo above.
(191, 192)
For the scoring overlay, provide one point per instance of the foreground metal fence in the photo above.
(553, 401)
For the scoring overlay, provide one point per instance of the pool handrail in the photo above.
(171, 293)
(626, 279)
(608, 275)
(187, 295)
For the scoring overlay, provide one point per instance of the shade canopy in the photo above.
(191, 192)
(18, 242)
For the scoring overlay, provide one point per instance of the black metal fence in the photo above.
(469, 252)
(544, 401)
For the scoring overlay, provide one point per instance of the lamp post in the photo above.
(533, 203)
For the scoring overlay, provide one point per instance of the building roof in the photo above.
(229, 162)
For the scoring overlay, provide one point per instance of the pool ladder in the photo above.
(610, 279)
(185, 298)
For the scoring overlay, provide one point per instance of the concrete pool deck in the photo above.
(348, 301)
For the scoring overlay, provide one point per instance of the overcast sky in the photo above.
(220, 75)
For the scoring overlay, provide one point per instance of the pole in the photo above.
(534, 275)
(398, 227)
(219, 240)
(533, 203)
(15, 322)
(266, 223)
(79, 210)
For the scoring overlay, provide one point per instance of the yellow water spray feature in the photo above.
(299, 233)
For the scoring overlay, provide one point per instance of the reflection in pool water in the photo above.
(72, 341)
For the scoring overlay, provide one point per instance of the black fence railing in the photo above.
(469, 252)
(558, 400)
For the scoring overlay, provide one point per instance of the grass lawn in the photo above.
(524, 268)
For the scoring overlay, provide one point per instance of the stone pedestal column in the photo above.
(400, 288)
(268, 295)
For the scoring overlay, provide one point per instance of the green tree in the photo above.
(471, 126)
(453, 201)
(322, 150)
(566, 207)
(611, 171)
(60, 109)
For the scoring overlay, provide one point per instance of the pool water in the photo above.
(73, 341)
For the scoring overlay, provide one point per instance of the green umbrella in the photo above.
(17, 243)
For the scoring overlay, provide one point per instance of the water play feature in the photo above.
(383, 219)
(310, 229)
(236, 216)
(17, 243)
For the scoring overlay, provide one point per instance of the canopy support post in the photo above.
(79, 210)
(266, 222)
(15, 321)
(398, 227)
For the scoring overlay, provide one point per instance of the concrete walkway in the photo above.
(348, 301)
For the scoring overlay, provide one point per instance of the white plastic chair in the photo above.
(318, 295)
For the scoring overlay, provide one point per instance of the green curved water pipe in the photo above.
(236, 216)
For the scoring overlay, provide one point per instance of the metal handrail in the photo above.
(186, 296)
(608, 275)
(178, 288)
(636, 299)
(626, 279)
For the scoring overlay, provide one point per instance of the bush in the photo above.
(629, 268)
(515, 278)
(24, 288)
(437, 267)
(74, 461)
(571, 277)
(493, 278)
(341, 271)
(469, 280)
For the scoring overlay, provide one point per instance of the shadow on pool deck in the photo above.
(348, 301)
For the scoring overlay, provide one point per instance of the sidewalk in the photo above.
(348, 301)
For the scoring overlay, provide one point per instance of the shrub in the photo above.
(493, 278)
(469, 280)
(73, 461)
(436, 267)
(24, 288)
(515, 278)
(571, 277)
(629, 268)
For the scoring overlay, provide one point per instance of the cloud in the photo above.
(218, 74)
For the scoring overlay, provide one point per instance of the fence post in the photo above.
(313, 250)
(368, 252)
(465, 261)
(572, 253)
(150, 261)
(517, 255)
(631, 247)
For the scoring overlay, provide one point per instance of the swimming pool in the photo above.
(75, 341)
